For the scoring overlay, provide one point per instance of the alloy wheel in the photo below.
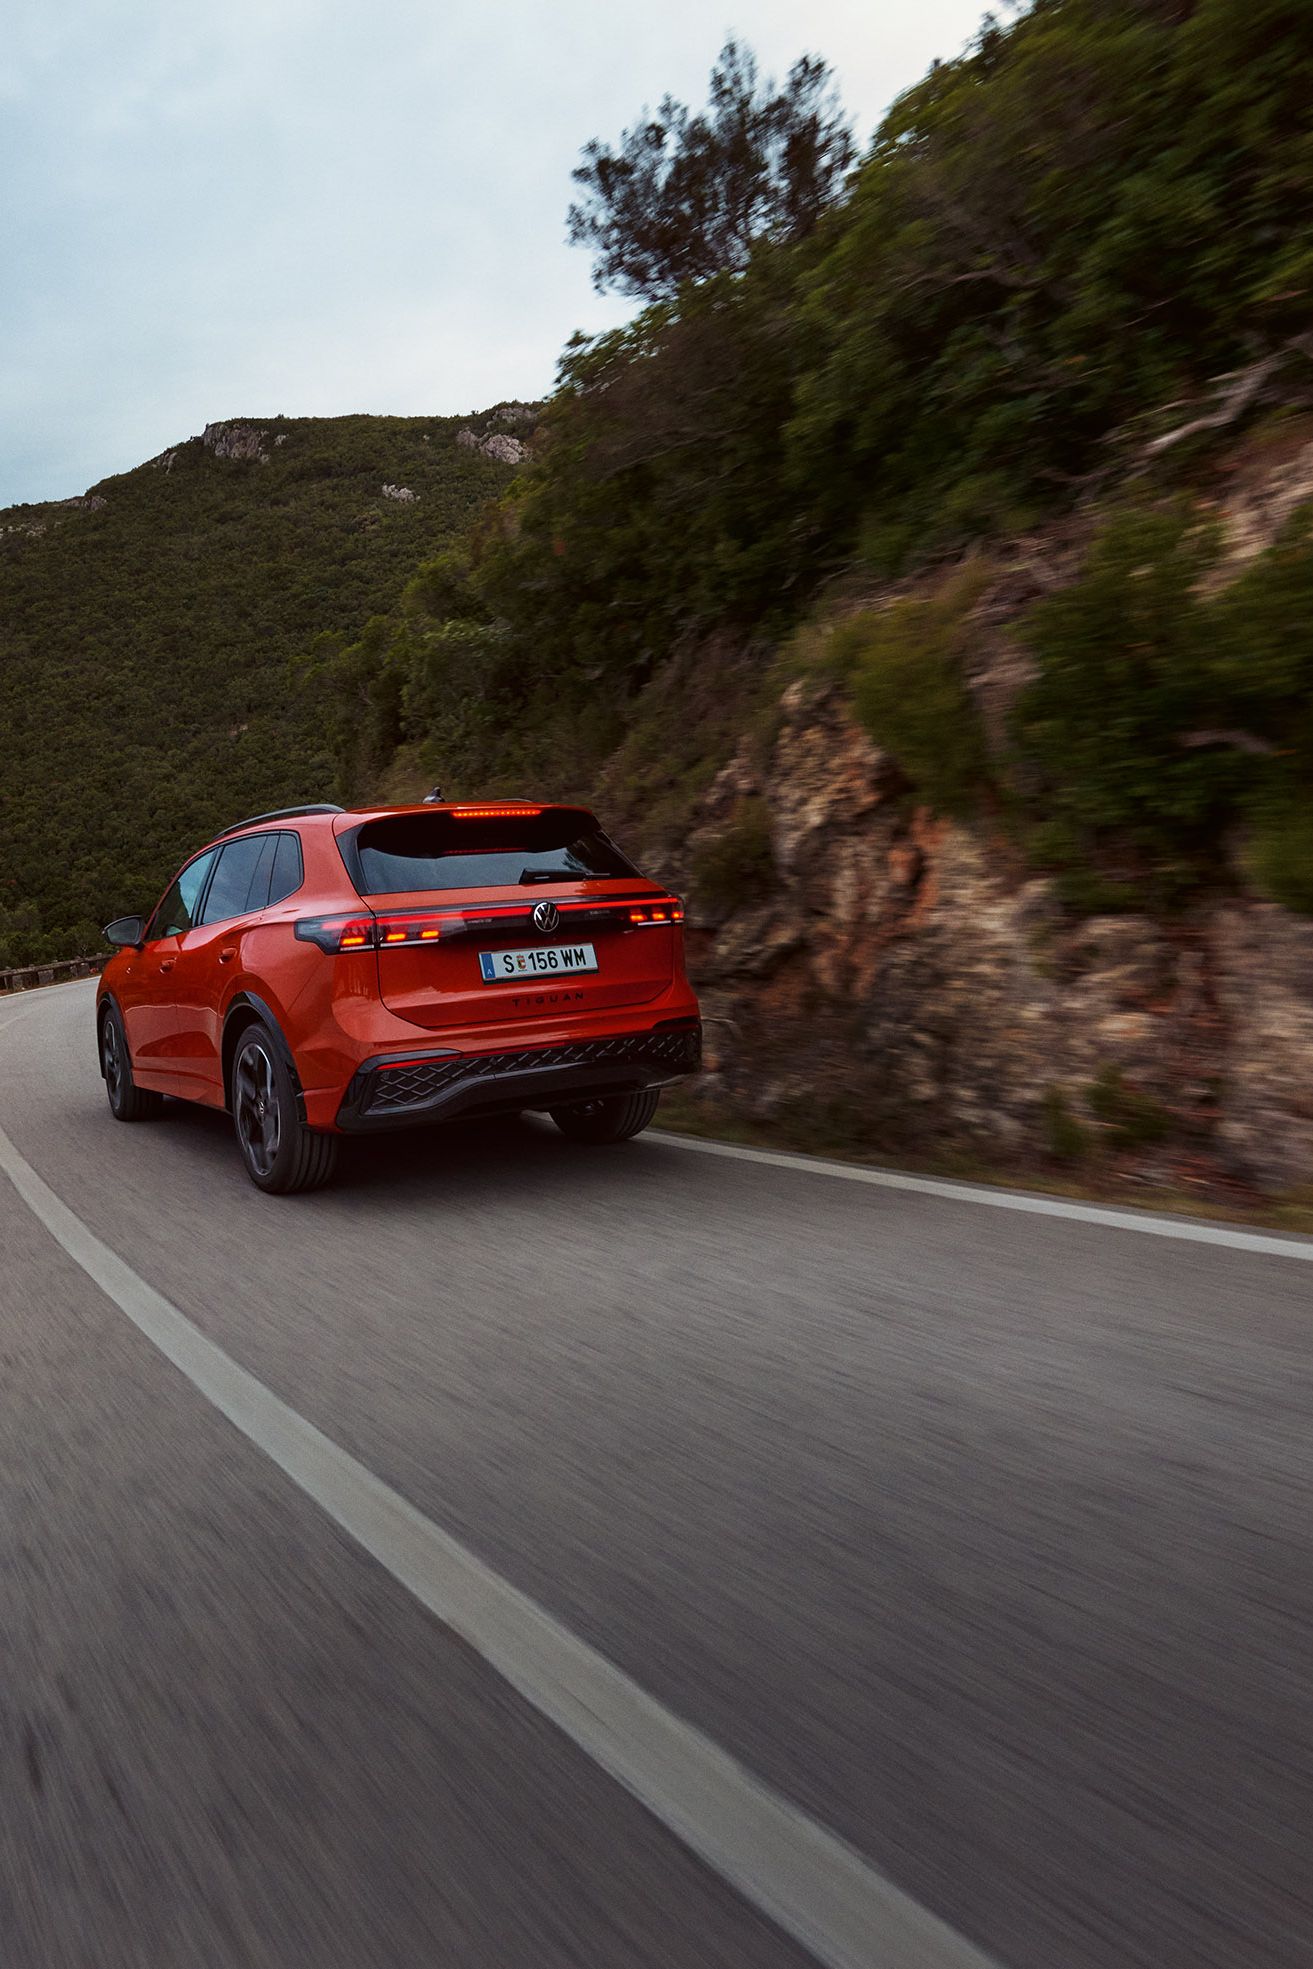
(111, 1054)
(255, 1108)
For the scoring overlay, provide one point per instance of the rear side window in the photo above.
(241, 880)
(288, 872)
(177, 910)
(440, 851)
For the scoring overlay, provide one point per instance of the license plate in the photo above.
(559, 960)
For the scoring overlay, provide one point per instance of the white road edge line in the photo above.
(1037, 1206)
(810, 1882)
(1143, 1221)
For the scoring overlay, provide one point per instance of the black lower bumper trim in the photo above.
(403, 1091)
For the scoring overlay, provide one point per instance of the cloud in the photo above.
(314, 207)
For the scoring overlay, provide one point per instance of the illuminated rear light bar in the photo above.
(668, 910)
(495, 813)
(411, 929)
(402, 930)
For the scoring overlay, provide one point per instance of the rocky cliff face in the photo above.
(906, 984)
(908, 979)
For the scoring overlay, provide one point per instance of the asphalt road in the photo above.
(980, 1540)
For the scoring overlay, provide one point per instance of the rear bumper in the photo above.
(404, 1090)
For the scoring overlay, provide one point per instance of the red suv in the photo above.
(321, 973)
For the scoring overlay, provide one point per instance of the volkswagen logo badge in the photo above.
(546, 917)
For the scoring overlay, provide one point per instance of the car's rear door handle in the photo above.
(227, 954)
(166, 963)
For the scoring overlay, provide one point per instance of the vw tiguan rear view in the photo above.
(321, 973)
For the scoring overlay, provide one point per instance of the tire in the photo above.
(613, 1119)
(281, 1154)
(127, 1101)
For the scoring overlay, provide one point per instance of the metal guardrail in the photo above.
(26, 977)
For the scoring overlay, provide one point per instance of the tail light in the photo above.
(410, 929)
(344, 933)
(338, 933)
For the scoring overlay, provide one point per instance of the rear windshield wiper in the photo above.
(551, 874)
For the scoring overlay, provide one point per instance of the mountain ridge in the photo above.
(148, 629)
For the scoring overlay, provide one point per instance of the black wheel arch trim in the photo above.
(250, 1001)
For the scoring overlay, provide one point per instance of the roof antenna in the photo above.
(432, 797)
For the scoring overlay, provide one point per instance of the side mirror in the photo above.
(126, 931)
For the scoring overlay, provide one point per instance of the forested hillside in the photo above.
(147, 633)
(1072, 268)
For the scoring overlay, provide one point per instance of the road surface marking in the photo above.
(1037, 1206)
(1143, 1221)
(815, 1887)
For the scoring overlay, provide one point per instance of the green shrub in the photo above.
(737, 867)
(1131, 1118)
(1067, 1140)
(1162, 715)
(983, 506)
(884, 545)
(1279, 854)
(1123, 676)
(905, 663)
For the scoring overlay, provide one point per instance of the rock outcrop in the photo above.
(1265, 491)
(235, 441)
(506, 450)
(498, 444)
(909, 976)
(1264, 970)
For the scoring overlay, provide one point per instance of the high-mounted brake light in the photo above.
(495, 813)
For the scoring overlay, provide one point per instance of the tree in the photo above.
(683, 197)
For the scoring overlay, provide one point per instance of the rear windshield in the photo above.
(439, 851)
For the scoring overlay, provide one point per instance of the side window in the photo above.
(241, 881)
(289, 872)
(177, 912)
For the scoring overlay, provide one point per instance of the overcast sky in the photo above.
(309, 207)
